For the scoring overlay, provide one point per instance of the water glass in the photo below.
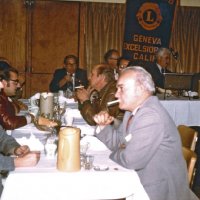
(89, 159)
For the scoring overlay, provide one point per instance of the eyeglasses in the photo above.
(15, 81)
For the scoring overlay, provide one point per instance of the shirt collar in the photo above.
(159, 67)
(135, 110)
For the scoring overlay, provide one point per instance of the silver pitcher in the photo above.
(46, 105)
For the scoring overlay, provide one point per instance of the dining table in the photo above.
(182, 110)
(105, 180)
(46, 182)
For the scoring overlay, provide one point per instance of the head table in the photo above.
(45, 182)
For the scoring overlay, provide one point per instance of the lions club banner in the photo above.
(148, 26)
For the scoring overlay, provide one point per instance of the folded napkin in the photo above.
(75, 113)
(33, 143)
(34, 98)
(86, 129)
(62, 99)
(94, 143)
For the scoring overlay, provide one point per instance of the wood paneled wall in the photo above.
(36, 36)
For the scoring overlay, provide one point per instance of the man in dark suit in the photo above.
(147, 140)
(159, 67)
(69, 76)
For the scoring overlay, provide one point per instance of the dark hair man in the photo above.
(8, 109)
(69, 76)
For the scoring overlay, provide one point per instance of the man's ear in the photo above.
(102, 76)
(139, 90)
(4, 82)
(1, 85)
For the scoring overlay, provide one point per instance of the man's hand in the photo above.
(28, 160)
(67, 78)
(103, 118)
(21, 151)
(82, 94)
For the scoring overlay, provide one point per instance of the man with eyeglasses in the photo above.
(68, 77)
(111, 58)
(8, 109)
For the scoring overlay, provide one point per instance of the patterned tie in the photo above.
(129, 122)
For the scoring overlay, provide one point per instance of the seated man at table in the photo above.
(69, 76)
(8, 109)
(111, 57)
(4, 65)
(102, 81)
(147, 140)
(159, 67)
(23, 156)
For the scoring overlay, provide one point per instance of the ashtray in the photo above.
(101, 168)
(48, 127)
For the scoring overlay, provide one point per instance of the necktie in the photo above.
(129, 122)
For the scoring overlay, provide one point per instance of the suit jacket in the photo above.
(80, 78)
(8, 110)
(156, 74)
(7, 146)
(151, 147)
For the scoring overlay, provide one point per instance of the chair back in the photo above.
(190, 158)
(188, 137)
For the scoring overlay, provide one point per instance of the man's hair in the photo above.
(142, 78)
(5, 74)
(161, 51)
(73, 57)
(104, 69)
(4, 64)
(109, 53)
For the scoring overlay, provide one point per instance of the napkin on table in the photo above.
(33, 143)
(94, 143)
(62, 99)
(34, 98)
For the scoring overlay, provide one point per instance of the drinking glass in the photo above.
(89, 159)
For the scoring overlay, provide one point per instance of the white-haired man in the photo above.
(147, 139)
(160, 66)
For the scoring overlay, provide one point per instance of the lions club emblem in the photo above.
(149, 16)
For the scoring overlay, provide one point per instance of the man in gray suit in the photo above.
(147, 139)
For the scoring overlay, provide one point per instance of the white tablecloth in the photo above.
(183, 111)
(45, 182)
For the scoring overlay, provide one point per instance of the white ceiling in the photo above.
(195, 3)
(102, 1)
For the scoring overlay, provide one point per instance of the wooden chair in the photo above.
(188, 137)
(190, 158)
